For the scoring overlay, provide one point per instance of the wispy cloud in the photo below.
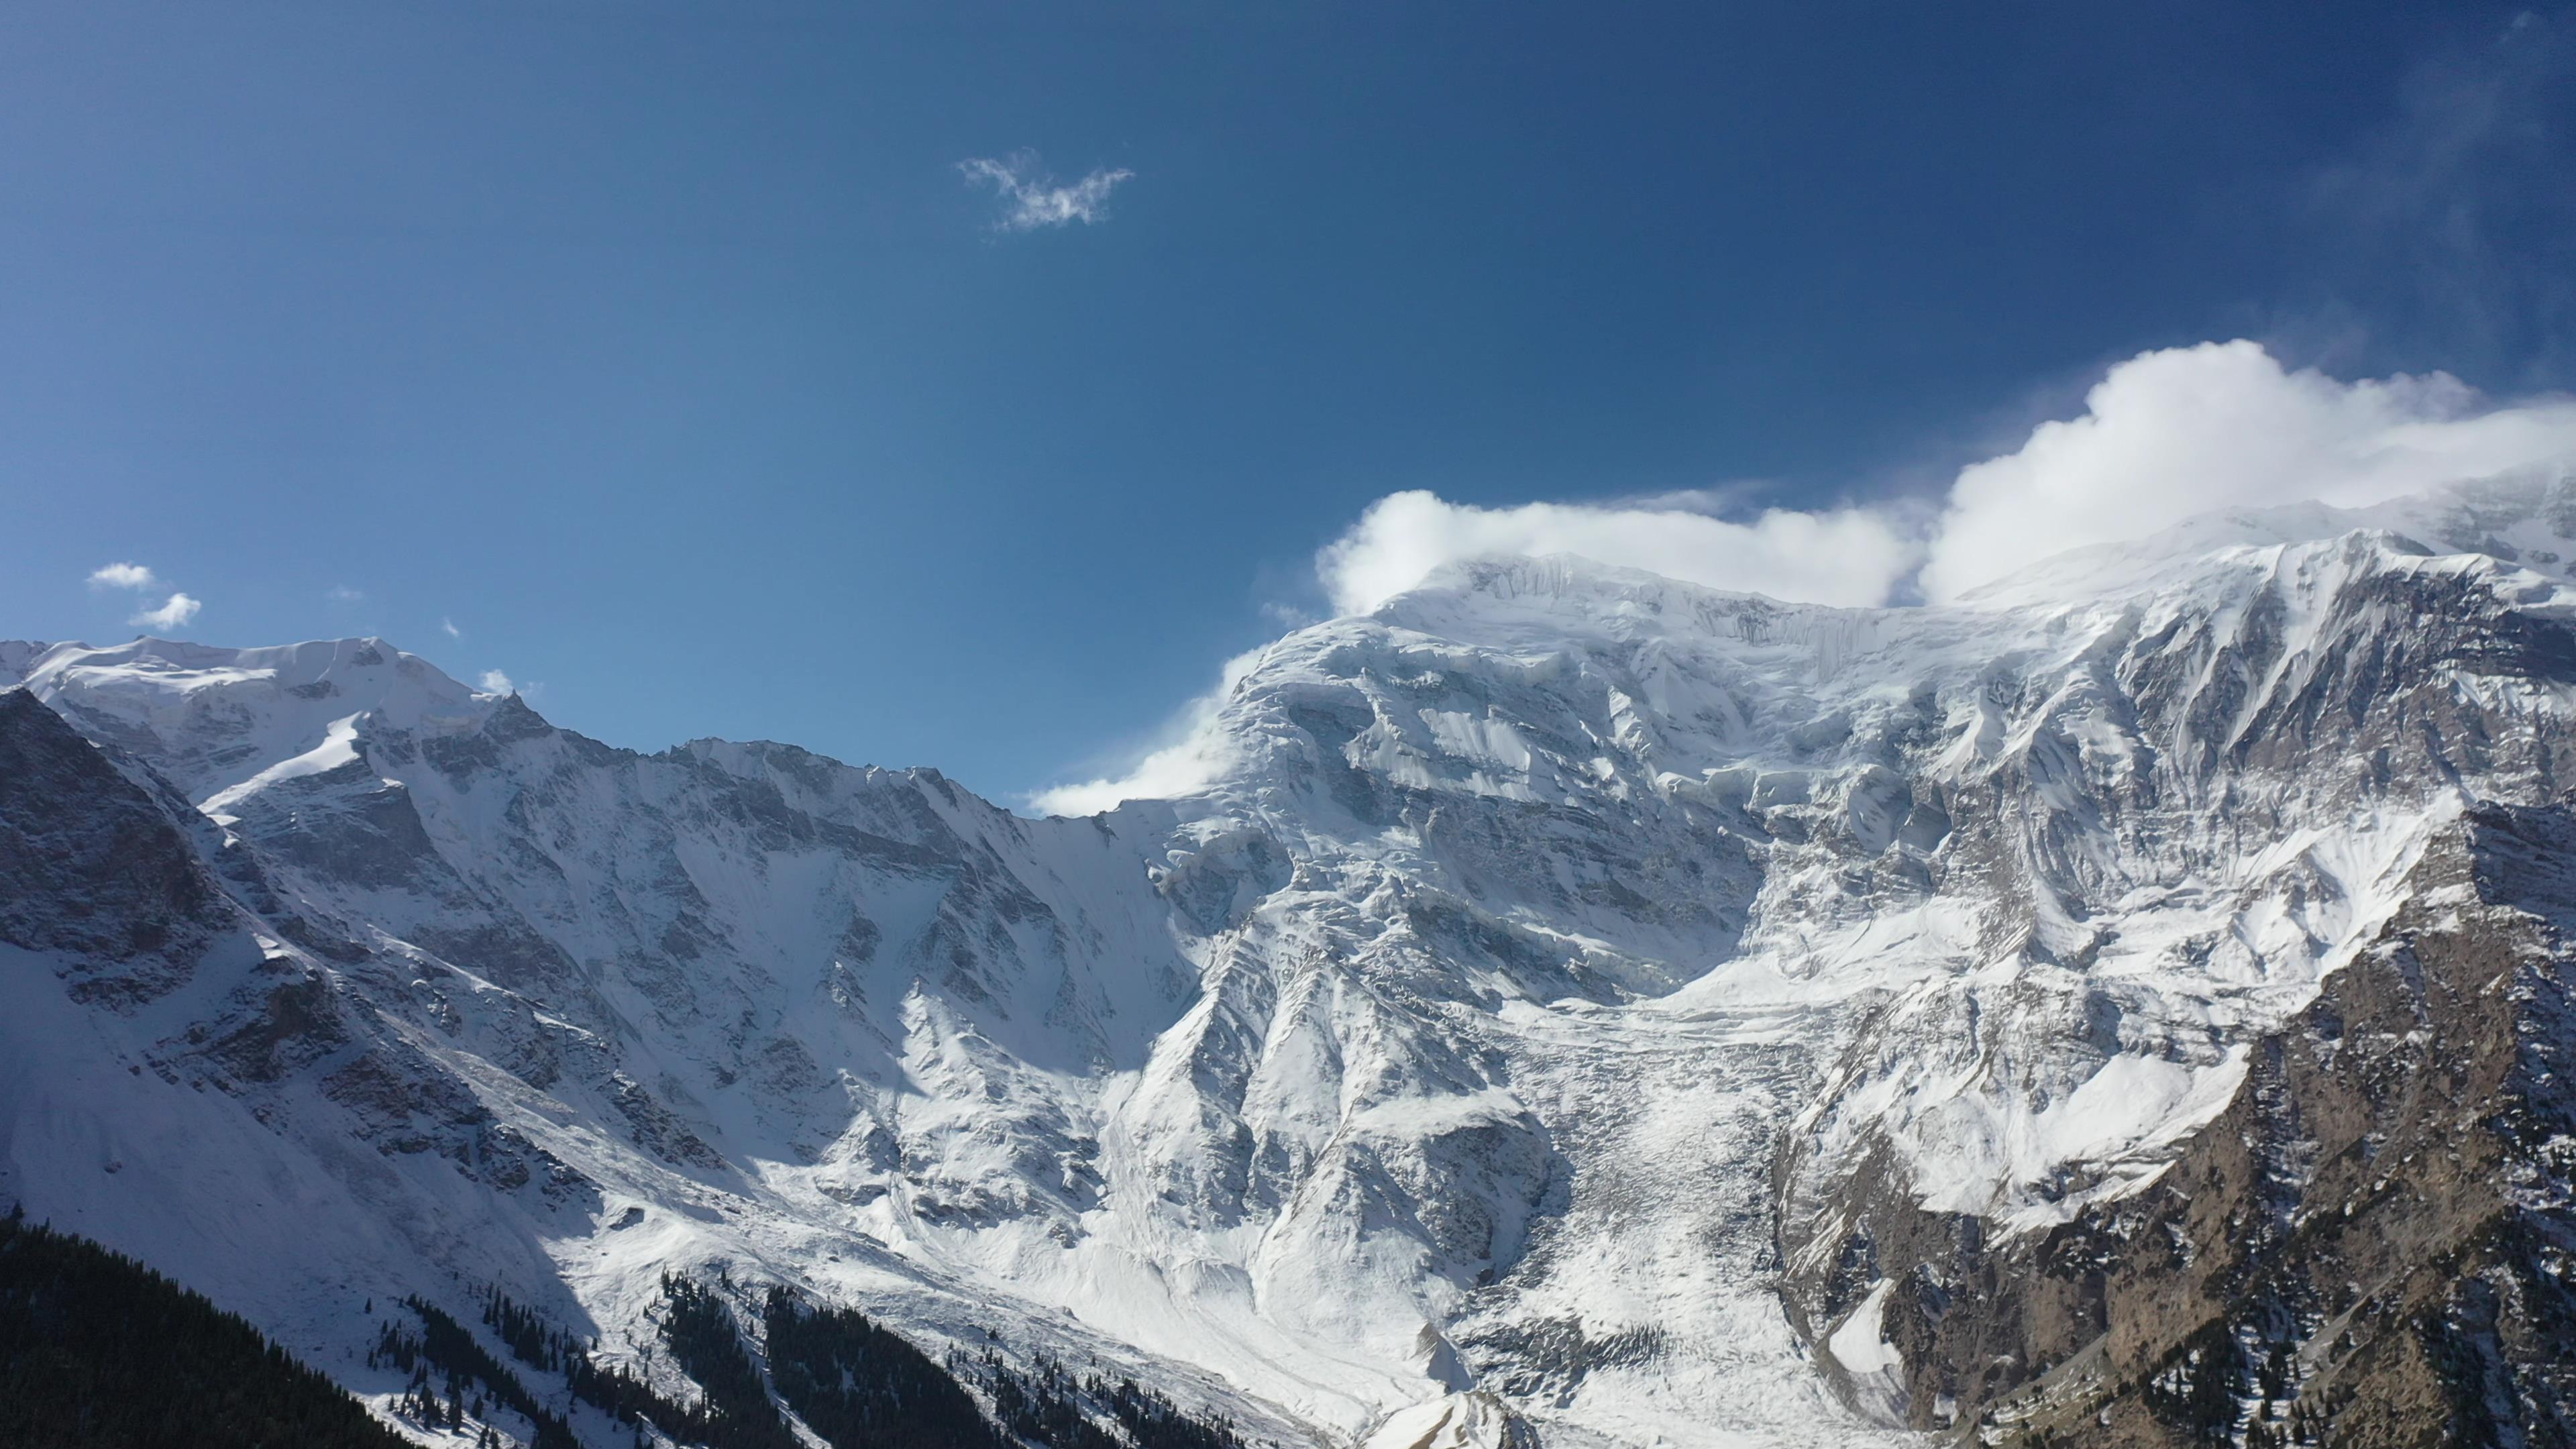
(2451, 231)
(1032, 199)
(1195, 749)
(173, 614)
(343, 594)
(449, 625)
(123, 576)
(1281, 615)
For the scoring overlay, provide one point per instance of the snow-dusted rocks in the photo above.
(1581, 1005)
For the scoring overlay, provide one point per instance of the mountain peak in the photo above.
(178, 697)
(1544, 596)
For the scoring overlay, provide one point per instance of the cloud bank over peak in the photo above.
(2164, 436)
(2170, 435)
(1848, 556)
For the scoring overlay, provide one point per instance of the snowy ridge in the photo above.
(1560, 956)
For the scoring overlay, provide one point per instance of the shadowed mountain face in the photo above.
(1576, 1005)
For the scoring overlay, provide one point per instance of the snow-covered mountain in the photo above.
(1583, 1005)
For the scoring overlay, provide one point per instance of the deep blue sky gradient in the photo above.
(663, 349)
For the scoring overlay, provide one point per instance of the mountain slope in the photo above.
(1579, 1004)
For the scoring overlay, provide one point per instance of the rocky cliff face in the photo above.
(2367, 1245)
(1575, 1006)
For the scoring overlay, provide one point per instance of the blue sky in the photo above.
(674, 359)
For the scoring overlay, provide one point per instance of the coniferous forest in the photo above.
(704, 1340)
(857, 1384)
(99, 1352)
(444, 1351)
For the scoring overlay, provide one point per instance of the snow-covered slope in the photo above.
(1514, 1037)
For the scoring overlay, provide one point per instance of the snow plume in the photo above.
(2172, 434)
(1196, 753)
(173, 614)
(1034, 200)
(123, 576)
(2163, 436)
(1849, 556)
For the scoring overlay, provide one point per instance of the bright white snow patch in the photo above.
(1875, 1368)
(1859, 1344)
(1459, 1421)
(339, 746)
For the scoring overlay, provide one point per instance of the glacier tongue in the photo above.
(1557, 958)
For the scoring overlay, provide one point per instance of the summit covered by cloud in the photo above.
(2163, 436)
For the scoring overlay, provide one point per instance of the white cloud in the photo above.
(2171, 434)
(1844, 556)
(495, 682)
(1196, 752)
(343, 594)
(1034, 200)
(123, 576)
(449, 625)
(173, 614)
(2163, 436)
